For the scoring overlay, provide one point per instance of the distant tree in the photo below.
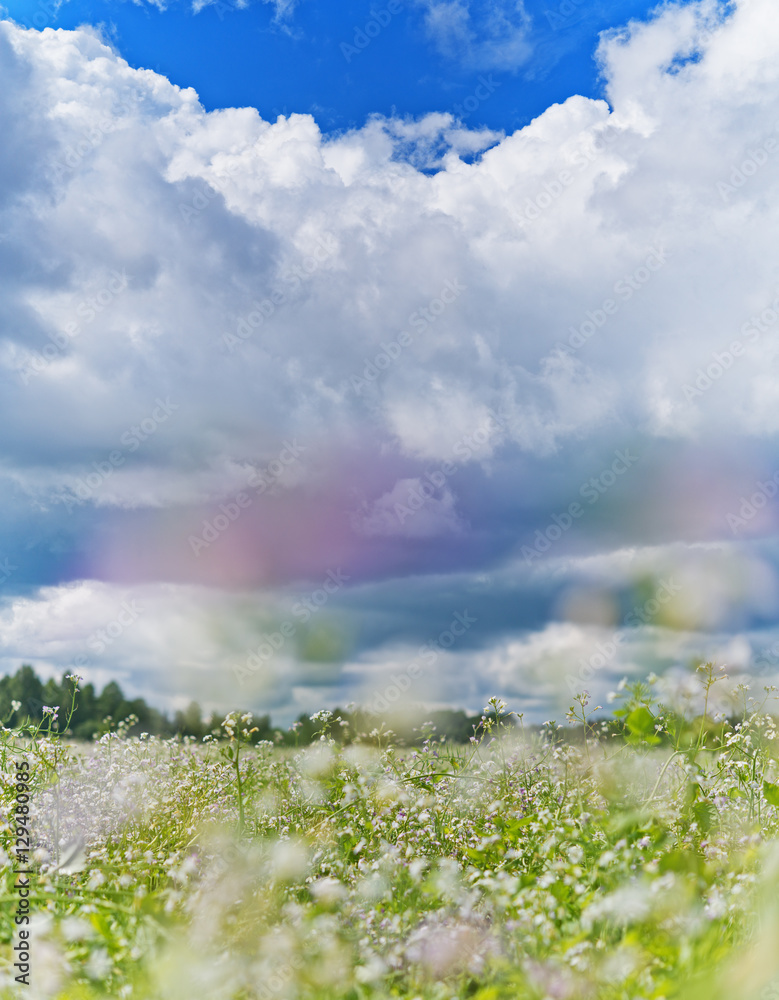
(264, 729)
(150, 720)
(26, 687)
(92, 709)
(455, 725)
(190, 721)
(53, 695)
(111, 701)
(86, 719)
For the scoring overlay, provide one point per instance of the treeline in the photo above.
(23, 696)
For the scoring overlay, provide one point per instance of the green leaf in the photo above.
(705, 813)
(641, 723)
(771, 793)
(682, 861)
(101, 924)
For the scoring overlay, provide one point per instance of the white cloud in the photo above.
(411, 510)
(482, 34)
(315, 254)
(282, 9)
(209, 213)
(170, 643)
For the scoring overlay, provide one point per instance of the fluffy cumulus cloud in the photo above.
(238, 355)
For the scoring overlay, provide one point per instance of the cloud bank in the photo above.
(237, 355)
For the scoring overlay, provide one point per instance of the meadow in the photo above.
(636, 859)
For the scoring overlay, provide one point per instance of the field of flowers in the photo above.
(581, 862)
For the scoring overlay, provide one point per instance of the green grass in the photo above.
(571, 864)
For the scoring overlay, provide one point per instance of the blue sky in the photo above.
(300, 362)
(303, 59)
